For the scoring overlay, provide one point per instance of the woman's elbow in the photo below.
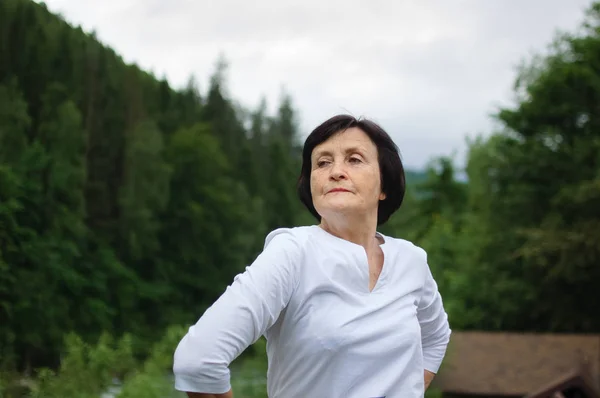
(185, 359)
(194, 359)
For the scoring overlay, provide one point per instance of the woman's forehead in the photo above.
(351, 140)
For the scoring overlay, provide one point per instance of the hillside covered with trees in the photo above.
(127, 206)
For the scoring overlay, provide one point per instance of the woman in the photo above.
(347, 312)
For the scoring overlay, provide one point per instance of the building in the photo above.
(494, 365)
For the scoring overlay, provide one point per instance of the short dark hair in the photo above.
(393, 182)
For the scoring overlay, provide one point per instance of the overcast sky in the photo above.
(430, 71)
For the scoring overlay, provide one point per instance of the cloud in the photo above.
(430, 72)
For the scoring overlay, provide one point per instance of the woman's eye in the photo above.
(355, 160)
(322, 163)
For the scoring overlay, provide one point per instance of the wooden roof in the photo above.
(579, 380)
(515, 364)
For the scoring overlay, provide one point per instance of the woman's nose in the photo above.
(337, 171)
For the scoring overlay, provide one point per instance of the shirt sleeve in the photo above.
(435, 329)
(247, 308)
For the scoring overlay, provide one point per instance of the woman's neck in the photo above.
(361, 232)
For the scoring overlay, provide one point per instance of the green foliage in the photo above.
(150, 380)
(109, 366)
(126, 206)
(517, 247)
(14, 122)
(433, 393)
(144, 192)
(85, 371)
(526, 251)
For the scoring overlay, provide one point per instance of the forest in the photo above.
(127, 206)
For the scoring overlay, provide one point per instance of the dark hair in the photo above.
(393, 182)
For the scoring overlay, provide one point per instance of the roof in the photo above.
(515, 363)
(578, 380)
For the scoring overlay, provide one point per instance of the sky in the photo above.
(431, 72)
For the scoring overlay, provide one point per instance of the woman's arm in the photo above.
(435, 329)
(247, 308)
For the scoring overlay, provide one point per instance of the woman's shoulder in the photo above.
(404, 246)
(289, 236)
(404, 252)
(288, 245)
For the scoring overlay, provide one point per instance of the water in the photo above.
(113, 390)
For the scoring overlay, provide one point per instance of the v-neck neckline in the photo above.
(379, 283)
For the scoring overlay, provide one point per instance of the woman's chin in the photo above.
(336, 210)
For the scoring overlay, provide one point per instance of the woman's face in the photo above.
(345, 176)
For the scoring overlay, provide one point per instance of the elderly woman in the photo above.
(347, 312)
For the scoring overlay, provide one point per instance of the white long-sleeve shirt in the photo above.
(327, 334)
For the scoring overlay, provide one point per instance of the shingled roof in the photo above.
(513, 364)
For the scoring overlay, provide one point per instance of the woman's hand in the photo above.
(428, 378)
